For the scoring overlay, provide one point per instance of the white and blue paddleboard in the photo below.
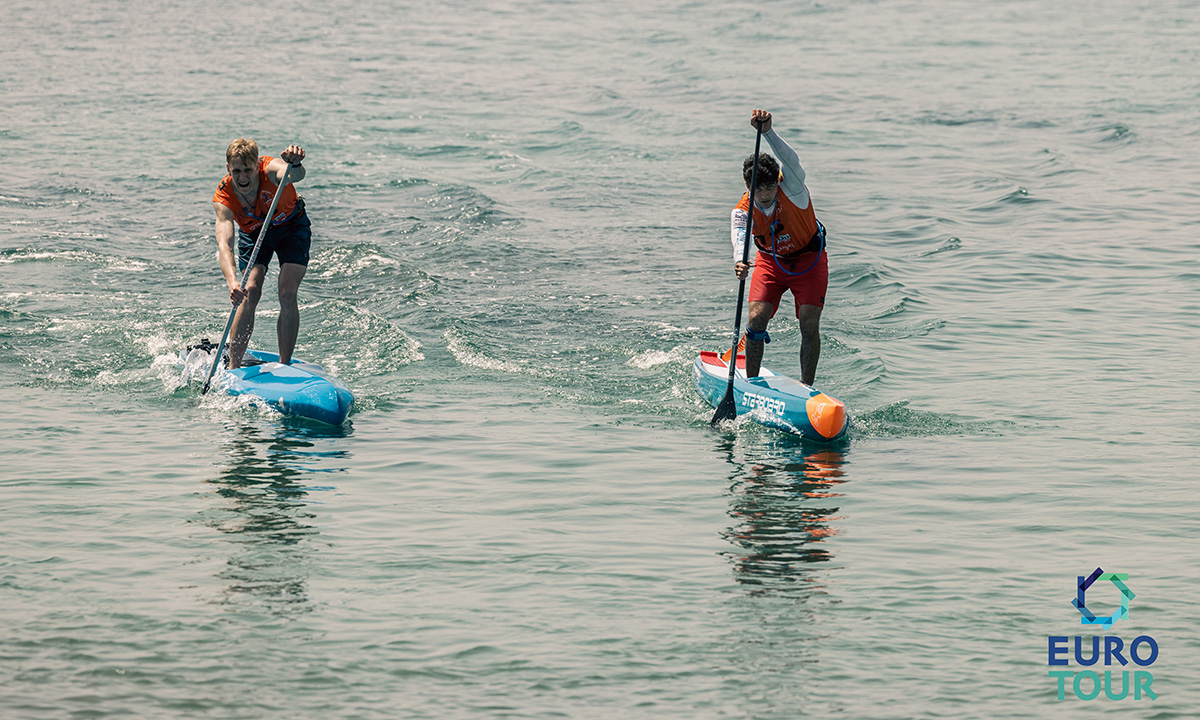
(772, 399)
(301, 389)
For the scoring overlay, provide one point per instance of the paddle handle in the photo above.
(262, 232)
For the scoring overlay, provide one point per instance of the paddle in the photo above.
(727, 409)
(262, 232)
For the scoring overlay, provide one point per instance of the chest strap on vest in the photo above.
(756, 336)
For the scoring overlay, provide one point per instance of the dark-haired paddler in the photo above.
(791, 250)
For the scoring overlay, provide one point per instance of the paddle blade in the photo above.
(727, 409)
(211, 371)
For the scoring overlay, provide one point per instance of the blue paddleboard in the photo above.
(301, 389)
(772, 399)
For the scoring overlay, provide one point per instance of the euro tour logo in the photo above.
(1086, 683)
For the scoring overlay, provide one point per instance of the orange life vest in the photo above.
(251, 219)
(787, 232)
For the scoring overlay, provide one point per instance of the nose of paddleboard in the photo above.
(826, 414)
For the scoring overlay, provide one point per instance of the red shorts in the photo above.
(808, 288)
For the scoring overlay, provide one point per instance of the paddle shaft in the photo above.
(727, 409)
(262, 232)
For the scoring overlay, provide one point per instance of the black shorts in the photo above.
(290, 241)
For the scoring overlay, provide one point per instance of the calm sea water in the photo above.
(521, 241)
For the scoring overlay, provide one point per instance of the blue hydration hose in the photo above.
(775, 258)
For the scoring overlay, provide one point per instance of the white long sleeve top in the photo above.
(792, 185)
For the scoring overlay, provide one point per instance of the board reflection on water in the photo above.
(784, 505)
(268, 498)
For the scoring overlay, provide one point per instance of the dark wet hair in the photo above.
(768, 169)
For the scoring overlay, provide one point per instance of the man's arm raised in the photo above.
(289, 161)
